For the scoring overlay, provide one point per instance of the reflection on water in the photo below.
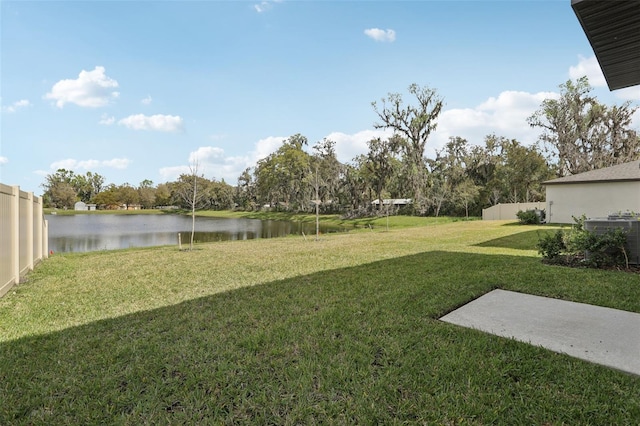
(88, 232)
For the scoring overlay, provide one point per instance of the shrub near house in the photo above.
(579, 246)
(531, 217)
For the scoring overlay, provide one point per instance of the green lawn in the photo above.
(292, 331)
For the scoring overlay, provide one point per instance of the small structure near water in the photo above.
(82, 206)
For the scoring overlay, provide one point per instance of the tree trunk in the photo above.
(193, 209)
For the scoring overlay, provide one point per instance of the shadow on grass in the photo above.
(525, 240)
(354, 345)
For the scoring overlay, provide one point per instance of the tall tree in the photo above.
(379, 165)
(584, 134)
(465, 194)
(146, 194)
(447, 172)
(59, 191)
(452, 160)
(162, 195)
(413, 123)
(127, 195)
(87, 186)
(355, 185)
(521, 172)
(481, 164)
(221, 195)
(245, 196)
(283, 178)
(440, 192)
(108, 198)
(330, 173)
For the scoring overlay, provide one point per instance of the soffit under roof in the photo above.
(613, 30)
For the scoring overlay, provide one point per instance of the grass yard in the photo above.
(292, 331)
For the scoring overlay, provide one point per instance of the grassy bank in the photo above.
(392, 222)
(70, 212)
(288, 331)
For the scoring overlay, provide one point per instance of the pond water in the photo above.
(91, 232)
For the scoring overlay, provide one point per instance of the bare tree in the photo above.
(188, 191)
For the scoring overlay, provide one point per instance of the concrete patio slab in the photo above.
(604, 336)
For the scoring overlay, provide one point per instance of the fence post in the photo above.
(30, 231)
(45, 238)
(15, 234)
(43, 231)
(37, 231)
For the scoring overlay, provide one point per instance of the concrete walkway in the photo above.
(601, 335)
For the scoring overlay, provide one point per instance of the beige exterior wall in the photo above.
(595, 199)
(508, 211)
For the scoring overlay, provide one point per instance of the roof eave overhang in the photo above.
(613, 30)
(575, 182)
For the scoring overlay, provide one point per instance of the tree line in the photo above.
(578, 134)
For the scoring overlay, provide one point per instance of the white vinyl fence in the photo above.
(508, 211)
(23, 235)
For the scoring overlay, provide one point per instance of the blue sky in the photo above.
(138, 90)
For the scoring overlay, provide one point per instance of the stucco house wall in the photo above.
(596, 194)
(593, 199)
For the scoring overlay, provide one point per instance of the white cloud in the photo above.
(589, 67)
(635, 121)
(107, 120)
(91, 89)
(206, 154)
(628, 94)
(158, 122)
(116, 163)
(147, 100)
(23, 103)
(263, 6)
(266, 146)
(75, 165)
(212, 164)
(3, 160)
(381, 35)
(171, 173)
(350, 146)
(505, 115)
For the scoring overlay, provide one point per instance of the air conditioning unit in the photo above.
(630, 223)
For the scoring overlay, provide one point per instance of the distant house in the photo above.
(130, 207)
(82, 206)
(398, 202)
(597, 193)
